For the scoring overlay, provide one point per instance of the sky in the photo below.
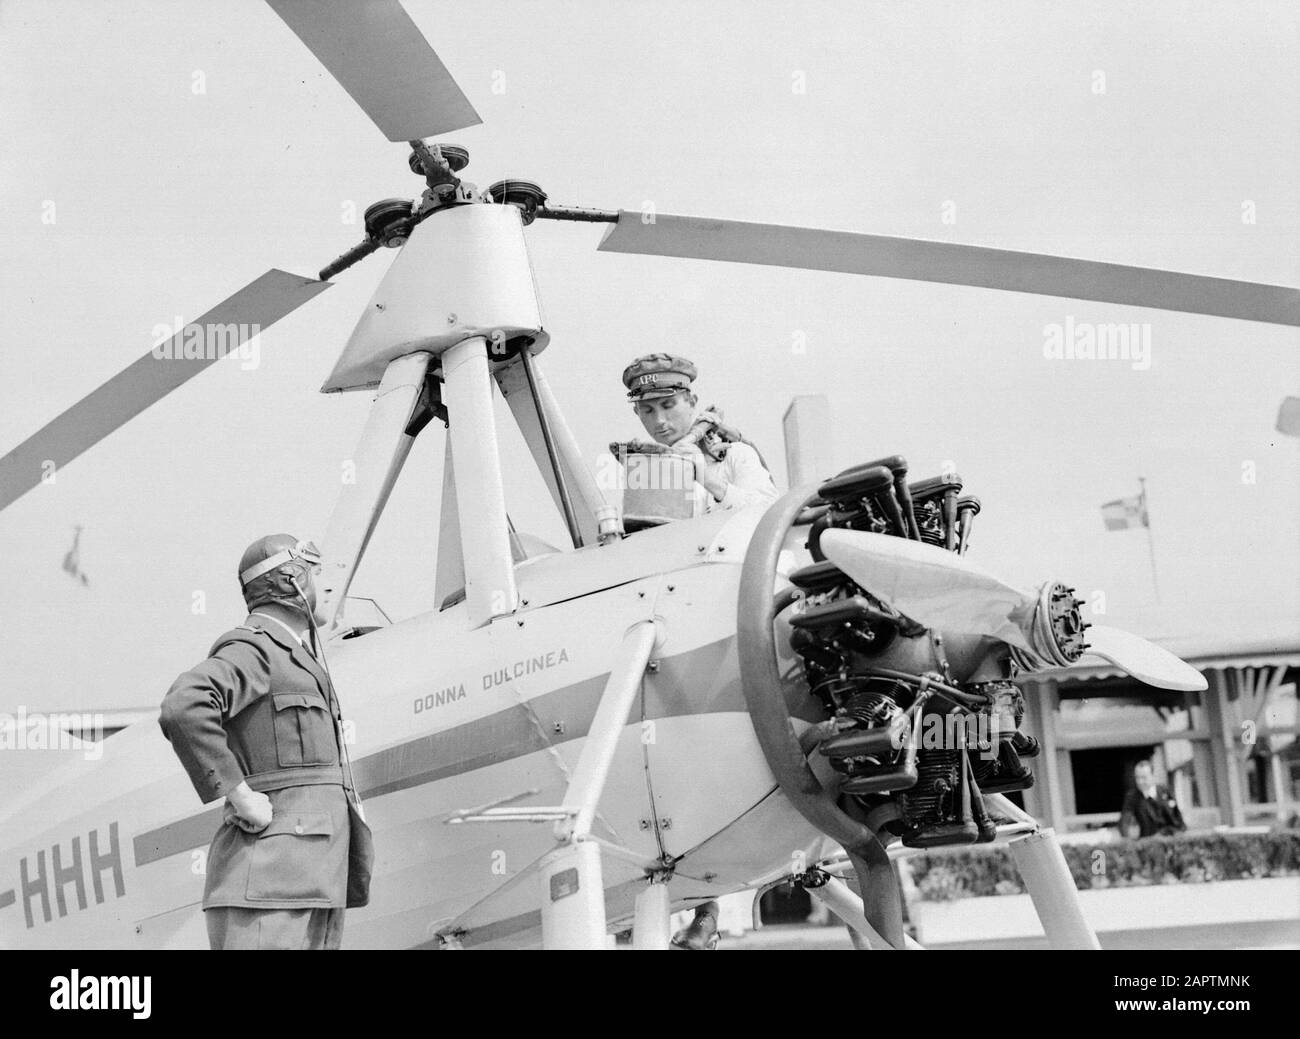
(159, 156)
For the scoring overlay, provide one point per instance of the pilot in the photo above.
(730, 473)
(256, 723)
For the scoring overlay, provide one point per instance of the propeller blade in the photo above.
(915, 259)
(1143, 660)
(255, 307)
(944, 590)
(933, 586)
(379, 57)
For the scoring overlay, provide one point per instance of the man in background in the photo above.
(1149, 810)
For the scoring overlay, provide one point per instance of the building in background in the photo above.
(1229, 755)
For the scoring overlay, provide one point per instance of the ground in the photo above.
(1280, 934)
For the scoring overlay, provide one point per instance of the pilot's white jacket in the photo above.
(747, 482)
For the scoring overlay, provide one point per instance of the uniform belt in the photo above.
(305, 775)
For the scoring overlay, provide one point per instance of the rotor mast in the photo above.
(457, 311)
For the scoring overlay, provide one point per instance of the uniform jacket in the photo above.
(258, 710)
(1157, 814)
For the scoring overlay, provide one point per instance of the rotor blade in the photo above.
(915, 259)
(226, 326)
(935, 587)
(379, 57)
(1143, 660)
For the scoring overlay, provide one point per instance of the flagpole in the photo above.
(1151, 541)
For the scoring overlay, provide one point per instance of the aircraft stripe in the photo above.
(495, 738)
(493, 931)
(507, 734)
(174, 838)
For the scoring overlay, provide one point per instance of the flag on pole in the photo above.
(1125, 513)
(72, 561)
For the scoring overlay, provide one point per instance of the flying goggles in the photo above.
(304, 552)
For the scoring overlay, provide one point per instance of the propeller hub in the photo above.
(1058, 627)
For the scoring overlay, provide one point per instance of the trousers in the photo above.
(231, 927)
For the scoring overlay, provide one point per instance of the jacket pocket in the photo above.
(288, 859)
(304, 731)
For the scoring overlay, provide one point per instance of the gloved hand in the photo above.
(248, 809)
(707, 473)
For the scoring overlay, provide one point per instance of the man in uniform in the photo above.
(255, 723)
(659, 387)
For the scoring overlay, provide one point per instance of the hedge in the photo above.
(969, 872)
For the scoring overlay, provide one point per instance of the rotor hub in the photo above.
(456, 158)
(389, 222)
(526, 196)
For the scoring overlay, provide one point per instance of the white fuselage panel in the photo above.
(464, 272)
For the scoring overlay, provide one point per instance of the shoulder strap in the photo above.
(240, 633)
